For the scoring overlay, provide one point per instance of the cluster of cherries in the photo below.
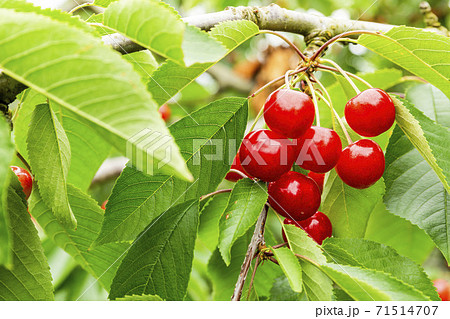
(269, 155)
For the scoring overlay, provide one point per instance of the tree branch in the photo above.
(271, 17)
(257, 238)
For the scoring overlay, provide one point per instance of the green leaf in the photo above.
(140, 298)
(150, 23)
(281, 291)
(143, 62)
(429, 138)
(399, 233)
(100, 262)
(244, 206)
(76, 70)
(224, 277)
(103, 3)
(414, 192)
(49, 155)
(211, 130)
(431, 101)
(6, 155)
(290, 266)
(316, 284)
(371, 285)
(419, 51)
(61, 16)
(29, 277)
(208, 231)
(160, 259)
(371, 255)
(348, 208)
(170, 78)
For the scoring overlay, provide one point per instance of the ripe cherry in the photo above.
(104, 204)
(25, 179)
(318, 227)
(320, 149)
(370, 113)
(294, 196)
(318, 178)
(233, 176)
(165, 112)
(267, 155)
(361, 164)
(442, 288)
(289, 112)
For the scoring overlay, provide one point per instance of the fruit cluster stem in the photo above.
(344, 74)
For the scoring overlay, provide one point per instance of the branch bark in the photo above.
(257, 238)
(271, 17)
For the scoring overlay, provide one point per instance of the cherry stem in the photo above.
(344, 74)
(286, 78)
(238, 172)
(265, 86)
(331, 69)
(279, 245)
(347, 40)
(216, 192)
(291, 44)
(316, 105)
(308, 259)
(335, 38)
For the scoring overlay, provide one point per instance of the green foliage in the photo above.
(419, 51)
(317, 285)
(49, 155)
(291, 267)
(371, 285)
(245, 204)
(170, 78)
(428, 138)
(208, 231)
(219, 123)
(140, 298)
(6, 154)
(391, 230)
(348, 208)
(101, 262)
(160, 259)
(29, 276)
(70, 55)
(371, 255)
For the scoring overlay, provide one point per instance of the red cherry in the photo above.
(25, 179)
(232, 176)
(318, 178)
(104, 204)
(165, 112)
(318, 227)
(361, 164)
(267, 155)
(370, 113)
(294, 196)
(289, 112)
(320, 149)
(442, 288)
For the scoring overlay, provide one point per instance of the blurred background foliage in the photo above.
(243, 71)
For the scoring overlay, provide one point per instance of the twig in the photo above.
(258, 260)
(257, 238)
(279, 245)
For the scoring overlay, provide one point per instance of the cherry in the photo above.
(25, 180)
(320, 149)
(104, 204)
(267, 155)
(361, 164)
(289, 112)
(370, 113)
(165, 112)
(318, 227)
(233, 176)
(442, 288)
(294, 196)
(318, 178)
